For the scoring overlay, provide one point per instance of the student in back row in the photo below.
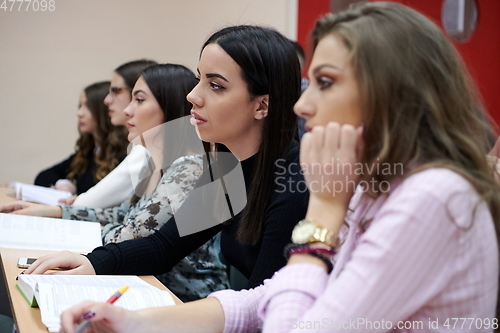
(99, 149)
(117, 186)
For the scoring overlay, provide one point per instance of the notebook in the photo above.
(39, 194)
(43, 233)
(55, 293)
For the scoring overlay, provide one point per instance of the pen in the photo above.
(86, 323)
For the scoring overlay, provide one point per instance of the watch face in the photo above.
(303, 232)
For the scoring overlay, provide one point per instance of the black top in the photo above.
(160, 251)
(83, 181)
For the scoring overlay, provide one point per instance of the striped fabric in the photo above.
(428, 262)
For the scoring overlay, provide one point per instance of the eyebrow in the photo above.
(211, 75)
(318, 68)
(139, 91)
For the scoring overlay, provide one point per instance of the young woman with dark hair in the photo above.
(417, 242)
(99, 149)
(249, 79)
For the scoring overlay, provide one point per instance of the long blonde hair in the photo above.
(419, 103)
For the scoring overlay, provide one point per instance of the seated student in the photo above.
(418, 244)
(117, 187)
(99, 149)
(159, 96)
(249, 81)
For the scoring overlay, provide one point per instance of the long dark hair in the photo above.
(169, 84)
(269, 65)
(419, 102)
(131, 70)
(108, 138)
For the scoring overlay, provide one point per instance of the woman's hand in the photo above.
(65, 185)
(107, 318)
(33, 209)
(73, 263)
(329, 157)
(68, 201)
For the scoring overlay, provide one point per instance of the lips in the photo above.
(129, 125)
(197, 116)
(196, 120)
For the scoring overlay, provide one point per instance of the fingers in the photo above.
(74, 263)
(68, 201)
(13, 206)
(348, 138)
(334, 138)
(111, 315)
(360, 146)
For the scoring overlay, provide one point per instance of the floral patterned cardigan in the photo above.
(199, 273)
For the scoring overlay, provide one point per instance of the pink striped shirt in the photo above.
(428, 262)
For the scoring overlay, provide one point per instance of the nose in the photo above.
(79, 112)
(304, 107)
(108, 99)
(129, 110)
(194, 97)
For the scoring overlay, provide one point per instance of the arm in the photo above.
(411, 252)
(103, 216)
(152, 255)
(203, 316)
(240, 308)
(51, 175)
(143, 219)
(117, 186)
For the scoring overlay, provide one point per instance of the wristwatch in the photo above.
(307, 231)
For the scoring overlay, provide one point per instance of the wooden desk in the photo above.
(28, 319)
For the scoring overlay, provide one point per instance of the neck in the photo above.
(245, 146)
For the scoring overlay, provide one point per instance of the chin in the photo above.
(132, 136)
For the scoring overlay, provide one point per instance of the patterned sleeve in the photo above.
(103, 216)
(149, 214)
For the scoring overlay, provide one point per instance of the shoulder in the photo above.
(185, 167)
(437, 182)
(188, 161)
(439, 189)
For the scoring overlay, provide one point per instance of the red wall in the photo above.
(481, 53)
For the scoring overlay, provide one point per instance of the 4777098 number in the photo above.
(28, 5)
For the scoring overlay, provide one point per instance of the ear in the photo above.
(262, 107)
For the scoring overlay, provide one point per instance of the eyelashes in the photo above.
(216, 86)
(324, 82)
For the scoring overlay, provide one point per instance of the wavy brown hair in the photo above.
(110, 140)
(418, 100)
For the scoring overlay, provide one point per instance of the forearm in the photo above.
(203, 316)
(152, 255)
(103, 216)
